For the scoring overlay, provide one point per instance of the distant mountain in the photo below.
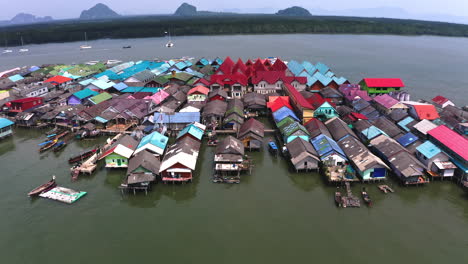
(186, 10)
(294, 11)
(98, 11)
(23, 18)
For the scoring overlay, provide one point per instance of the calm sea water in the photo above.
(273, 216)
(429, 65)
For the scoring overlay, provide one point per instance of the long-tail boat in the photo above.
(338, 199)
(82, 156)
(48, 145)
(43, 188)
(366, 197)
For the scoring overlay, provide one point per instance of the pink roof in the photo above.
(440, 100)
(298, 97)
(58, 79)
(158, 97)
(452, 140)
(384, 82)
(272, 77)
(428, 112)
(199, 89)
(386, 101)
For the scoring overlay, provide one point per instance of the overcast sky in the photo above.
(72, 9)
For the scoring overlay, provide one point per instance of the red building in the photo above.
(20, 105)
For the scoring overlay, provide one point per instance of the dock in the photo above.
(63, 195)
(349, 200)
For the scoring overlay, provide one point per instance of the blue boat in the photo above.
(273, 148)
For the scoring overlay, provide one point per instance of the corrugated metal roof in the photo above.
(282, 113)
(5, 122)
(452, 140)
(403, 123)
(295, 67)
(16, 78)
(407, 139)
(192, 130)
(321, 67)
(384, 82)
(177, 118)
(156, 139)
(85, 93)
(100, 98)
(325, 146)
(372, 132)
(120, 86)
(428, 149)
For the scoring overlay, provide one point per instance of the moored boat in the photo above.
(338, 199)
(366, 197)
(48, 146)
(59, 146)
(43, 188)
(385, 188)
(82, 156)
(272, 148)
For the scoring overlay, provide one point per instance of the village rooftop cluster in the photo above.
(319, 121)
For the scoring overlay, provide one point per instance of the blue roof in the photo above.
(100, 119)
(272, 145)
(203, 61)
(295, 67)
(155, 139)
(322, 68)
(87, 81)
(132, 89)
(407, 139)
(340, 80)
(192, 130)
(110, 74)
(16, 78)
(34, 68)
(330, 74)
(5, 122)
(85, 93)
(372, 132)
(322, 78)
(309, 67)
(180, 65)
(428, 149)
(403, 123)
(178, 117)
(120, 86)
(291, 138)
(326, 146)
(284, 112)
(459, 165)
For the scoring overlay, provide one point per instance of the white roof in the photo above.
(189, 109)
(151, 148)
(201, 126)
(424, 126)
(123, 151)
(189, 161)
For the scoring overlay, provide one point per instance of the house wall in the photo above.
(6, 131)
(316, 86)
(38, 92)
(196, 98)
(325, 113)
(428, 162)
(333, 160)
(73, 100)
(116, 161)
(307, 163)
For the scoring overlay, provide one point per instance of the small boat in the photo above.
(59, 146)
(385, 189)
(23, 49)
(169, 44)
(366, 197)
(82, 156)
(85, 46)
(212, 142)
(5, 51)
(48, 146)
(272, 148)
(127, 47)
(61, 135)
(338, 199)
(43, 188)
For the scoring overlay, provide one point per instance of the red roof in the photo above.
(298, 98)
(452, 140)
(203, 81)
(239, 67)
(428, 112)
(316, 100)
(226, 67)
(248, 63)
(229, 79)
(258, 66)
(279, 66)
(440, 100)
(199, 89)
(58, 80)
(278, 102)
(272, 77)
(26, 100)
(384, 82)
(356, 116)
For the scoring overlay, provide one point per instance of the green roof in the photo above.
(161, 79)
(235, 110)
(100, 98)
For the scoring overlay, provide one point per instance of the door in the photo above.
(119, 162)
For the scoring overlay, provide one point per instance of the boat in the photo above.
(6, 50)
(366, 197)
(169, 44)
(85, 46)
(272, 148)
(43, 188)
(385, 188)
(212, 143)
(48, 146)
(61, 135)
(22, 50)
(82, 156)
(59, 146)
(338, 199)
(127, 47)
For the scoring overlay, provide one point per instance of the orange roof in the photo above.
(56, 80)
(428, 112)
(199, 89)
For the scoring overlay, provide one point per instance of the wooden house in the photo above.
(118, 155)
(229, 160)
(214, 112)
(388, 127)
(251, 134)
(176, 121)
(422, 111)
(316, 128)
(255, 102)
(198, 94)
(180, 161)
(332, 95)
(442, 102)
(218, 94)
(328, 150)
(352, 92)
(59, 81)
(6, 127)
(293, 131)
(194, 131)
(20, 105)
(368, 166)
(155, 143)
(387, 104)
(143, 169)
(403, 164)
(376, 86)
(437, 162)
(302, 155)
(234, 116)
(301, 106)
(338, 129)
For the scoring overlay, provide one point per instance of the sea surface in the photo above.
(428, 65)
(274, 215)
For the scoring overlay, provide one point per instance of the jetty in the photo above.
(63, 195)
(350, 200)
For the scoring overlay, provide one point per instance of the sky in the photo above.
(60, 9)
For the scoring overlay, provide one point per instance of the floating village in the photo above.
(157, 114)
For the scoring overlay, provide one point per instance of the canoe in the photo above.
(48, 146)
(59, 146)
(366, 197)
(43, 188)
(82, 156)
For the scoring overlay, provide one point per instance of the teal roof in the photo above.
(110, 74)
(86, 82)
(192, 130)
(330, 74)
(340, 80)
(295, 67)
(85, 93)
(428, 149)
(141, 89)
(155, 139)
(372, 132)
(309, 67)
(100, 119)
(5, 122)
(203, 62)
(403, 123)
(103, 85)
(71, 76)
(322, 78)
(322, 68)
(291, 138)
(16, 78)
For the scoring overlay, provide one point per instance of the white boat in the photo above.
(22, 50)
(6, 50)
(86, 46)
(169, 44)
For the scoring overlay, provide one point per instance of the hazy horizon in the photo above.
(454, 10)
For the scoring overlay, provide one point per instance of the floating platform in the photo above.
(63, 195)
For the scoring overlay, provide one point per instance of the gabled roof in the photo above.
(452, 140)
(293, 128)
(229, 79)
(407, 139)
(239, 67)
(199, 89)
(272, 77)
(386, 101)
(372, 132)
(424, 126)
(100, 98)
(158, 97)
(226, 66)
(216, 107)
(338, 129)
(143, 159)
(322, 68)
(316, 128)
(154, 139)
(299, 147)
(403, 123)
(384, 82)
(325, 145)
(428, 149)
(56, 80)
(440, 100)
(298, 98)
(279, 65)
(283, 112)
(85, 93)
(279, 102)
(177, 117)
(387, 126)
(193, 130)
(125, 146)
(230, 145)
(251, 126)
(5, 122)
(428, 112)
